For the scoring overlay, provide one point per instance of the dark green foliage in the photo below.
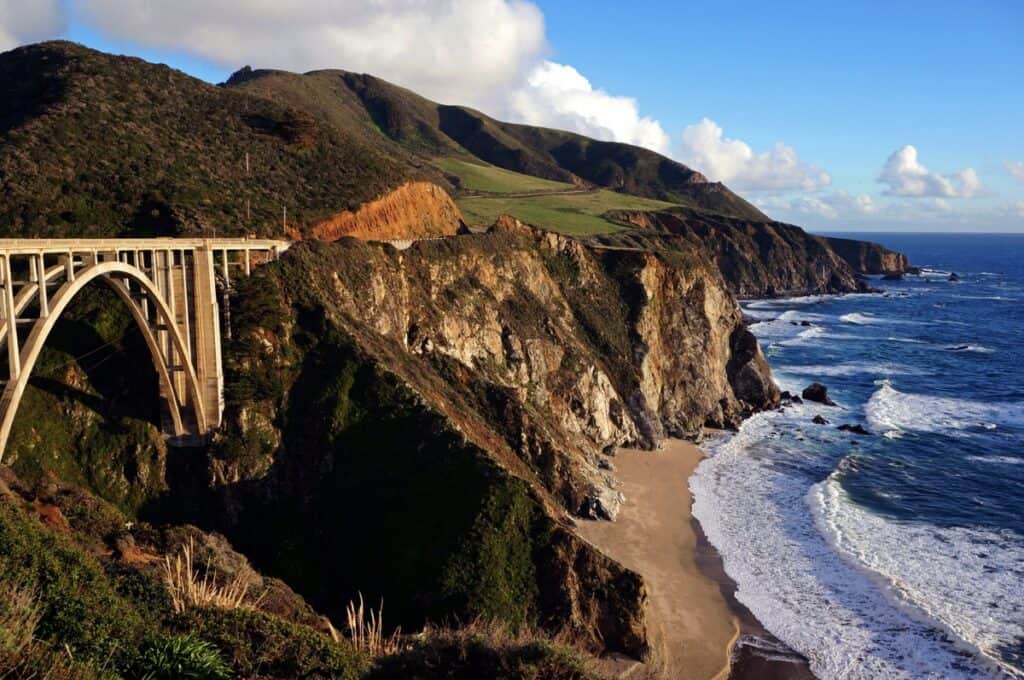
(181, 657)
(493, 574)
(263, 646)
(79, 607)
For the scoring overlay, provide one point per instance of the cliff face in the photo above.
(869, 258)
(414, 210)
(756, 259)
(445, 408)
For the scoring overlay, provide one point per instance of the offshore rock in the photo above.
(819, 393)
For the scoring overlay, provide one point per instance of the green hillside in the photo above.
(477, 177)
(93, 144)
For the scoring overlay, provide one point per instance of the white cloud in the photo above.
(838, 204)
(26, 21)
(556, 95)
(1016, 169)
(455, 51)
(733, 161)
(904, 175)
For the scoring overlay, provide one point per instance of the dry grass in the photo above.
(19, 616)
(188, 589)
(366, 630)
(494, 634)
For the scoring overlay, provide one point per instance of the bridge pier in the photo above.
(169, 286)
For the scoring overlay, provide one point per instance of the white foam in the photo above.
(979, 349)
(752, 506)
(861, 319)
(909, 340)
(851, 368)
(892, 412)
(969, 580)
(996, 460)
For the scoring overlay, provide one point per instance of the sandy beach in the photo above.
(694, 620)
(692, 624)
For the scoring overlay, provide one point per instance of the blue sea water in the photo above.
(900, 554)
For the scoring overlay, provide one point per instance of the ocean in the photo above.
(898, 554)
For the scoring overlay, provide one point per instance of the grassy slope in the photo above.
(475, 176)
(573, 214)
(488, 192)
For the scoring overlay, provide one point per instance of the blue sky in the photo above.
(863, 115)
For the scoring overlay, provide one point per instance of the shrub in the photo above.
(77, 606)
(182, 657)
(261, 645)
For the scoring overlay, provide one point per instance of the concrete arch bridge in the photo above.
(168, 284)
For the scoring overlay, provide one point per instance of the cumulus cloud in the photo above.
(455, 51)
(1016, 169)
(557, 95)
(830, 206)
(732, 161)
(904, 175)
(25, 22)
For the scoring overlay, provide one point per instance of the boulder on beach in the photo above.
(819, 393)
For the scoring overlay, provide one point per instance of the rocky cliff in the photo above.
(865, 257)
(447, 409)
(756, 259)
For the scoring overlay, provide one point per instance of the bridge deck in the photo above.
(28, 246)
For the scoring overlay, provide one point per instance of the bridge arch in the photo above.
(119, 276)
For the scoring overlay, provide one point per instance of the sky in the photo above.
(835, 116)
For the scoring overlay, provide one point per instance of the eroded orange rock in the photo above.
(413, 210)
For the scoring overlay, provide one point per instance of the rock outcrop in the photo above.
(869, 258)
(756, 259)
(412, 211)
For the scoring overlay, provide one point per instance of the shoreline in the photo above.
(697, 628)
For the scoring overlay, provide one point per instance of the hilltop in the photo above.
(96, 144)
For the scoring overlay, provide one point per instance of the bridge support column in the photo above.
(11, 316)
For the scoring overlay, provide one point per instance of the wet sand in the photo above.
(697, 629)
